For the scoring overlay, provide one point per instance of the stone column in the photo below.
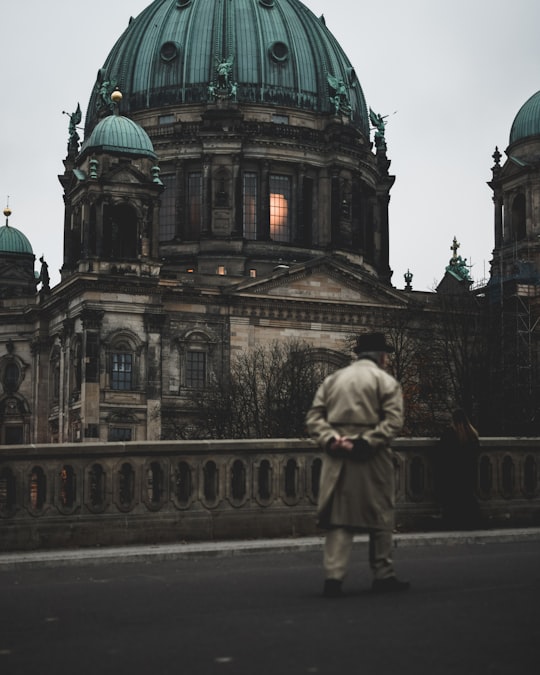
(90, 384)
(153, 324)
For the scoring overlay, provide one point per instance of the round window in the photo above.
(279, 52)
(169, 51)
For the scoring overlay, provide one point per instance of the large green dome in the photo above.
(14, 241)
(277, 53)
(527, 121)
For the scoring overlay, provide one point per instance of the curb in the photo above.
(187, 551)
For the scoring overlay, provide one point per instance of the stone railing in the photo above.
(119, 493)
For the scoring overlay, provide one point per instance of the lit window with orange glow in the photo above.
(280, 208)
(221, 270)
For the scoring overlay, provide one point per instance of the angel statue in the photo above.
(340, 98)
(104, 89)
(74, 120)
(379, 124)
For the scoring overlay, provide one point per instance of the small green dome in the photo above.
(527, 121)
(120, 135)
(13, 241)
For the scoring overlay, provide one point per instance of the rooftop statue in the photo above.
(458, 266)
(340, 97)
(104, 104)
(74, 119)
(379, 125)
(224, 71)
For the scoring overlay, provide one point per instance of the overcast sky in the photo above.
(451, 76)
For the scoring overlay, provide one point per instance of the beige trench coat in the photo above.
(361, 400)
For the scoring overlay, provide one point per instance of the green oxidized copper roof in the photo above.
(527, 121)
(279, 53)
(121, 135)
(13, 241)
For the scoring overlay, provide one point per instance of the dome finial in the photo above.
(408, 276)
(7, 212)
(116, 98)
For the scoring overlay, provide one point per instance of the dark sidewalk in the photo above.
(255, 608)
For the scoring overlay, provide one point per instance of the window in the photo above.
(14, 435)
(55, 375)
(194, 205)
(166, 119)
(167, 211)
(250, 206)
(120, 434)
(11, 377)
(280, 199)
(195, 369)
(122, 371)
(120, 232)
(519, 219)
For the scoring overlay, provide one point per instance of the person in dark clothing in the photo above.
(456, 469)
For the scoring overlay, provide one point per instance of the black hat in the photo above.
(372, 342)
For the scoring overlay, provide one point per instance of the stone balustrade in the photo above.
(125, 493)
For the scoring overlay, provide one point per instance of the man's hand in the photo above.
(340, 446)
(340, 443)
(358, 450)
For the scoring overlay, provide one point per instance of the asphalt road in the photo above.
(473, 609)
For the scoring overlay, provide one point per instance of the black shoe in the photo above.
(389, 585)
(332, 588)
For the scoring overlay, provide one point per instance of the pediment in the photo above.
(326, 282)
(125, 175)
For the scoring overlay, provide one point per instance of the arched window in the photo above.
(196, 350)
(519, 221)
(120, 232)
(121, 368)
(92, 231)
(76, 369)
(55, 376)
(11, 377)
(167, 210)
(124, 361)
(194, 202)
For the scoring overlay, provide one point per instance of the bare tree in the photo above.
(266, 394)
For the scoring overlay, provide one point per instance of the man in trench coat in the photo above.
(356, 413)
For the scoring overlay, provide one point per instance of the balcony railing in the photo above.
(120, 493)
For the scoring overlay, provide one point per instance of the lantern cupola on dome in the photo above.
(11, 239)
(17, 277)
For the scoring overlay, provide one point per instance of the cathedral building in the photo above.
(231, 190)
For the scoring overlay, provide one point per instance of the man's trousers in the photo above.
(338, 547)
